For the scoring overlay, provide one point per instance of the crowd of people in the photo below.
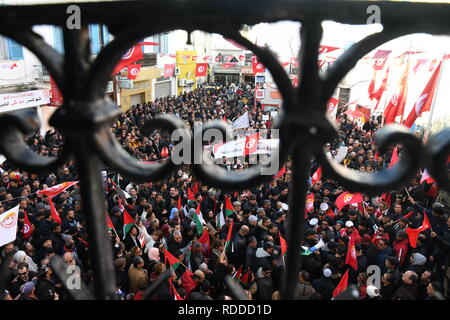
(165, 234)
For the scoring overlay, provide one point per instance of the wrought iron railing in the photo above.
(87, 114)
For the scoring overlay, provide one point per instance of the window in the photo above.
(95, 38)
(58, 41)
(163, 41)
(15, 50)
(106, 37)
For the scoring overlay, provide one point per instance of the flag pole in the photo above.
(430, 118)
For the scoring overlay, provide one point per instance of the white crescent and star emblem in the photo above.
(251, 143)
(201, 69)
(26, 228)
(420, 102)
(128, 54)
(134, 71)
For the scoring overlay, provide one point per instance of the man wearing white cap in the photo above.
(324, 285)
(350, 231)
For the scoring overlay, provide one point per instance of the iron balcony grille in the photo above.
(87, 113)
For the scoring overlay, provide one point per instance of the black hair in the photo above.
(393, 261)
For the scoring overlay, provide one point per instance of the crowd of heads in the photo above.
(166, 225)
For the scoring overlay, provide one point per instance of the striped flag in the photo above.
(241, 122)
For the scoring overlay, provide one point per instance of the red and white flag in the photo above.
(55, 190)
(332, 107)
(348, 198)
(380, 58)
(351, 259)
(131, 56)
(394, 157)
(326, 49)
(258, 67)
(376, 95)
(426, 177)
(201, 70)
(396, 106)
(27, 227)
(133, 71)
(309, 204)
(316, 176)
(251, 144)
(423, 103)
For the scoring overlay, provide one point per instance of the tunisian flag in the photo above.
(251, 144)
(342, 285)
(380, 58)
(131, 56)
(201, 70)
(309, 204)
(325, 49)
(394, 157)
(396, 106)
(351, 259)
(316, 176)
(332, 107)
(423, 103)
(413, 234)
(55, 190)
(348, 198)
(27, 229)
(376, 95)
(258, 67)
(133, 71)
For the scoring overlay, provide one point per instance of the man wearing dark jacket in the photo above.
(324, 285)
(409, 285)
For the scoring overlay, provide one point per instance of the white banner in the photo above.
(21, 100)
(236, 148)
(8, 225)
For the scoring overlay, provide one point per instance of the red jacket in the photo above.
(355, 233)
(401, 250)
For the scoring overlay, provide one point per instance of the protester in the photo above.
(205, 234)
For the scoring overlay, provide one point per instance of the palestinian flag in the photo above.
(195, 188)
(220, 220)
(128, 223)
(174, 262)
(198, 223)
(229, 209)
(176, 295)
(238, 273)
(109, 223)
(230, 231)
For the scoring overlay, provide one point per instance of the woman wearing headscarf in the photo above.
(21, 256)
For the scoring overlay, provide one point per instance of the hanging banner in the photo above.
(238, 148)
(169, 70)
(21, 100)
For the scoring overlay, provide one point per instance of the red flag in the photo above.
(396, 106)
(309, 204)
(413, 234)
(55, 190)
(332, 107)
(246, 277)
(342, 285)
(379, 93)
(204, 239)
(176, 295)
(191, 195)
(408, 214)
(380, 58)
(316, 176)
(53, 211)
(187, 283)
(251, 144)
(423, 103)
(394, 157)
(133, 71)
(238, 273)
(387, 197)
(109, 223)
(280, 173)
(426, 177)
(179, 204)
(258, 67)
(27, 229)
(195, 188)
(326, 49)
(283, 244)
(201, 70)
(131, 56)
(351, 259)
(348, 198)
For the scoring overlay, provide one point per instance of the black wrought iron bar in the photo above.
(295, 221)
